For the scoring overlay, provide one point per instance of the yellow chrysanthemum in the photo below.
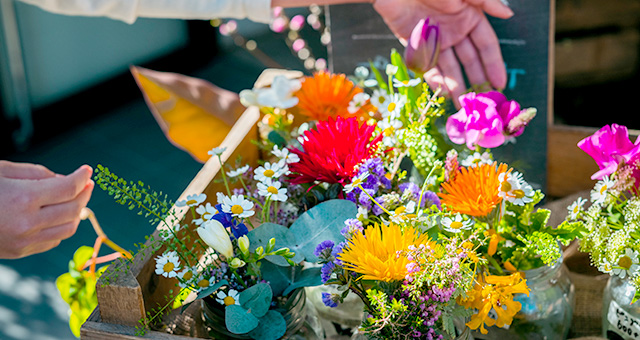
(474, 190)
(374, 253)
(494, 292)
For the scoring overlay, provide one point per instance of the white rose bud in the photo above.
(215, 235)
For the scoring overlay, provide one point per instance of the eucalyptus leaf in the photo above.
(272, 326)
(307, 278)
(283, 280)
(239, 320)
(276, 139)
(257, 299)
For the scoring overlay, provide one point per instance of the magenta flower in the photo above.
(487, 119)
(423, 48)
(610, 147)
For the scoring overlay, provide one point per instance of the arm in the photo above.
(39, 208)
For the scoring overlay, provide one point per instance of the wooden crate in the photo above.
(133, 290)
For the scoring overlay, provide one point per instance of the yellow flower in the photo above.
(374, 253)
(494, 292)
(493, 242)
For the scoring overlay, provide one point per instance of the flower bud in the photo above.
(237, 263)
(215, 236)
(423, 48)
(243, 244)
(271, 245)
(260, 251)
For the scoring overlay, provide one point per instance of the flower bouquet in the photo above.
(611, 222)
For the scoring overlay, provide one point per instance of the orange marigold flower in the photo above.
(328, 95)
(494, 292)
(473, 190)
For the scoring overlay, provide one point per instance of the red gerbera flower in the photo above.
(332, 151)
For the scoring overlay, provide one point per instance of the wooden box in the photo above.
(127, 291)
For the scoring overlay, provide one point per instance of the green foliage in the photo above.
(78, 289)
(134, 195)
(284, 280)
(253, 315)
(422, 146)
(272, 326)
(317, 194)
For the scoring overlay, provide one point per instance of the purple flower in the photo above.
(336, 251)
(326, 271)
(228, 221)
(374, 166)
(376, 209)
(609, 147)
(330, 300)
(423, 47)
(432, 198)
(410, 188)
(485, 119)
(352, 225)
(323, 250)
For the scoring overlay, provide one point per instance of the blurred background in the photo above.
(67, 98)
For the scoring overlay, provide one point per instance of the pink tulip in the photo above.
(609, 147)
(422, 51)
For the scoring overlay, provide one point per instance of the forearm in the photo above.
(303, 3)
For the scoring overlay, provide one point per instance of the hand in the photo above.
(39, 208)
(467, 38)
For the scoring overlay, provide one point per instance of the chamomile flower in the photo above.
(185, 277)
(601, 190)
(576, 207)
(406, 83)
(215, 152)
(227, 299)
(238, 172)
(508, 183)
(285, 155)
(272, 189)
(627, 264)
(238, 206)
(605, 266)
(393, 109)
(389, 129)
(358, 180)
(456, 224)
(192, 200)
(476, 159)
(523, 195)
(268, 171)
(168, 264)
(380, 99)
(358, 101)
(204, 281)
(206, 213)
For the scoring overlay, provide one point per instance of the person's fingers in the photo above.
(24, 170)
(486, 42)
(435, 80)
(57, 233)
(470, 60)
(63, 188)
(494, 8)
(61, 213)
(452, 74)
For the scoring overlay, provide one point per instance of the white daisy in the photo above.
(576, 207)
(203, 282)
(220, 196)
(393, 109)
(406, 83)
(168, 264)
(238, 206)
(523, 195)
(477, 159)
(217, 151)
(268, 171)
(508, 184)
(239, 171)
(358, 180)
(456, 224)
(285, 155)
(228, 299)
(358, 101)
(206, 213)
(192, 200)
(627, 264)
(601, 190)
(389, 128)
(272, 189)
(380, 99)
(185, 277)
(605, 267)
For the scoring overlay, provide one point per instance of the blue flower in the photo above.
(323, 250)
(326, 271)
(238, 229)
(337, 250)
(330, 300)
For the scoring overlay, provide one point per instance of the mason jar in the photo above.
(546, 313)
(620, 318)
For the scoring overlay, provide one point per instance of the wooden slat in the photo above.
(106, 331)
(576, 15)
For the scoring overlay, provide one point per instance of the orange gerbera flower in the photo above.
(328, 95)
(473, 190)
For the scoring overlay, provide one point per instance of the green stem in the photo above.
(239, 278)
(374, 201)
(494, 263)
(424, 187)
(224, 176)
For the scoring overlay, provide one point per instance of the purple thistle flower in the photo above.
(323, 250)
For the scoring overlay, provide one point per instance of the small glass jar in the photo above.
(546, 313)
(620, 318)
(292, 308)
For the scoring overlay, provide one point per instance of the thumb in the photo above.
(495, 8)
(24, 170)
(63, 188)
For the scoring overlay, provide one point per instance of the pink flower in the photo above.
(487, 119)
(423, 47)
(610, 147)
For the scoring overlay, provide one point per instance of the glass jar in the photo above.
(292, 308)
(620, 318)
(546, 313)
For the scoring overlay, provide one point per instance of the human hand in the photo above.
(39, 208)
(467, 39)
